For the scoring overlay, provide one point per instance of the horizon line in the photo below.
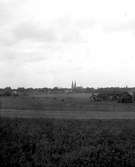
(59, 87)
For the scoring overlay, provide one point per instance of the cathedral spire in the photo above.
(75, 84)
(72, 85)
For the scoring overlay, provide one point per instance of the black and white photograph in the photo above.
(67, 83)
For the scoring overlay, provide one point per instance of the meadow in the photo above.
(37, 139)
(63, 102)
(66, 143)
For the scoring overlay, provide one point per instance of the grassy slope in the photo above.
(42, 142)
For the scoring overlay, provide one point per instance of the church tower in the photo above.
(75, 85)
(72, 85)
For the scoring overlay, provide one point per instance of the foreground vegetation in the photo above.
(66, 143)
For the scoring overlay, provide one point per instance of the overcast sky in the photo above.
(47, 43)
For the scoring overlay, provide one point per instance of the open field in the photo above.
(72, 106)
(75, 103)
(67, 143)
(12, 113)
(70, 132)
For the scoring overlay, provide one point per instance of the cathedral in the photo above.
(73, 85)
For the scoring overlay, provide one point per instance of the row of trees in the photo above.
(102, 92)
(8, 91)
(121, 97)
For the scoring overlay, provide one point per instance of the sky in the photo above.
(47, 43)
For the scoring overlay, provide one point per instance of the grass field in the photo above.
(67, 143)
(75, 103)
(78, 141)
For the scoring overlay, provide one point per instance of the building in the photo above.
(73, 85)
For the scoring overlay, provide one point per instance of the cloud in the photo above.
(21, 56)
(62, 31)
(29, 42)
(30, 31)
(57, 32)
(120, 26)
(5, 13)
(9, 10)
(10, 15)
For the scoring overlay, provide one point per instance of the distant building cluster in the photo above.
(78, 89)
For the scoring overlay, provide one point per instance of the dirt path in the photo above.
(65, 114)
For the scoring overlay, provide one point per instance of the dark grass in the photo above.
(66, 143)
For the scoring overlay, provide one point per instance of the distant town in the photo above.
(95, 94)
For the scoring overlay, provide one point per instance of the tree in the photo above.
(7, 91)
